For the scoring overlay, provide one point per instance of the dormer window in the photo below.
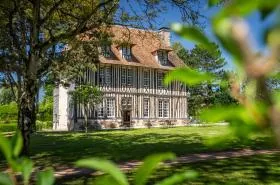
(162, 57)
(126, 52)
(106, 51)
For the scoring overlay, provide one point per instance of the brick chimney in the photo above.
(164, 33)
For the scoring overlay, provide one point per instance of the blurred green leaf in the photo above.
(193, 34)
(179, 178)
(149, 165)
(276, 99)
(267, 7)
(213, 2)
(5, 147)
(187, 76)
(104, 166)
(243, 120)
(17, 144)
(237, 8)
(241, 8)
(27, 166)
(104, 180)
(5, 179)
(15, 165)
(222, 113)
(273, 36)
(45, 178)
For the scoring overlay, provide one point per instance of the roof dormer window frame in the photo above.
(106, 51)
(162, 57)
(126, 52)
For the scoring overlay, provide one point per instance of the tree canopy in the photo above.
(208, 93)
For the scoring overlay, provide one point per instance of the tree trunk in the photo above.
(86, 118)
(27, 112)
(30, 82)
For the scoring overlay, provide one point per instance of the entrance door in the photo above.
(126, 118)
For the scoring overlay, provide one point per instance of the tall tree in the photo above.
(33, 31)
(208, 93)
(30, 33)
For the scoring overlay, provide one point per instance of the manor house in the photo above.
(130, 73)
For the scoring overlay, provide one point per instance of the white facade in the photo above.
(62, 112)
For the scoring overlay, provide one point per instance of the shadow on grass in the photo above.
(56, 149)
(257, 170)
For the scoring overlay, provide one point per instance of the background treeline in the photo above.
(207, 93)
(9, 109)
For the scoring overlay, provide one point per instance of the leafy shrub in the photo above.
(8, 127)
(40, 125)
(43, 125)
(8, 112)
(46, 109)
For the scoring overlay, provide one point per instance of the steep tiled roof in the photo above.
(144, 43)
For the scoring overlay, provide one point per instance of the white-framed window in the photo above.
(110, 107)
(166, 108)
(129, 76)
(160, 76)
(123, 76)
(146, 107)
(108, 76)
(146, 79)
(100, 110)
(101, 76)
(106, 108)
(163, 108)
(162, 57)
(126, 52)
(106, 51)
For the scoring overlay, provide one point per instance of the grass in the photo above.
(257, 170)
(55, 149)
(253, 170)
(64, 148)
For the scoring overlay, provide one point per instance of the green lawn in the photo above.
(65, 148)
(253, 170)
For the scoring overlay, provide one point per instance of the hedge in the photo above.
(40, 125)
(8, 127)
(8, 112)
(43, 125)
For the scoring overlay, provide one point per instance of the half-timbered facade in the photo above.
(130, 74)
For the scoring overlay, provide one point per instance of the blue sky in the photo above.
(257, 29)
